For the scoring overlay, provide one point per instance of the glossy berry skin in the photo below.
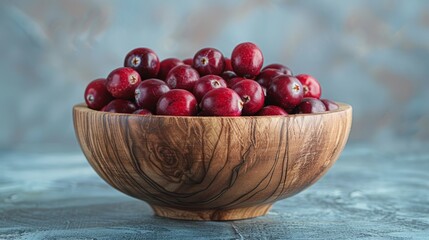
(285, 92)
(177, 102)
(266, 76)
(142, 112)
(166, 65)
(228, 75)
(251, 94)
(282, 68)
(182, 77)
(234, 81)
(311, 86)
(122, 82)
(247, 60)
(330, 105)
(148, 93)
(120, 106)
(144, 61)
(272, 110)
(310, 105)
(207, 83)
(209, 61)
(221, 102)
(188, 61)
(228, 66)
(96, 94)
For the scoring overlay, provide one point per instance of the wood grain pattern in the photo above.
(211, 167)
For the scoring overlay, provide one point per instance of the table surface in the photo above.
(372, 192)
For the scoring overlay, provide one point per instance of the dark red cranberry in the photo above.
(122, 82)
(266, 76)
(182, 77)
(310, 105)
(120, 106)
(142, 112)
(144, 61)
(166, 65)
(330, 105)
(188, 61)
(251, 94)
(247, 60)
(228, 66)
(271, 110)
(209, 61)
(234, 81)
(96, 94)
(285, 92)
(221, 102)
(311, 86)
(282, 68)
(228, 75)
(148, 92)
(207, 83)
(177, 102)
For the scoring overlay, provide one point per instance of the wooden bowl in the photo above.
(211, 168)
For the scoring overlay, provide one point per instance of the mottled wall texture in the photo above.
(371, 54)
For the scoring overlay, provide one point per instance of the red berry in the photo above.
(266, 76)
(310, 105)
(166, 65)
(144, 61)
(120, 106)
(251, 94)
(96, 94)
(282, 68)
(207, 83)
(330, 105)
(182, 77)
(234, 81)
(228, 66)
(285, 92)
(221, 102)
(271, 110)
(247, 60)
(228, 75)
(311, 86)
(122, 82)
(209, 61)
(142, 112)
(177, 102)
(188, 61)
(148, 92)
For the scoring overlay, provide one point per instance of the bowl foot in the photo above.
(213, 214)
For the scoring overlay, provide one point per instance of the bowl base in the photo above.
(212, 215)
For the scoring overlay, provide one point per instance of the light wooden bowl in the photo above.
(211, 168)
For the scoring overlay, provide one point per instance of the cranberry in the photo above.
(311, 86)
(228, 66)
(330, 105)
(142, 112)
(247, 60)
(96, 94)
(166, 65)
(188, 61)
(251, 94)
(148, 92)
(221, 102)
(271, 110)
(228, 75)
(266, 76)
(120, 106)
(122, 82)
(234, 81)
(206, 84)
(282, 68)
(285, 91)
(144, 61)
(177, 102)
(209, 61)
(310, 105)
(182, 77)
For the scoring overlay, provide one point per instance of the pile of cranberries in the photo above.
(207, 85)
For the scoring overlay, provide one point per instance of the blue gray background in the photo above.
(373, 55)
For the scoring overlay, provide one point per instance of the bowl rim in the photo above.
(342, 107)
